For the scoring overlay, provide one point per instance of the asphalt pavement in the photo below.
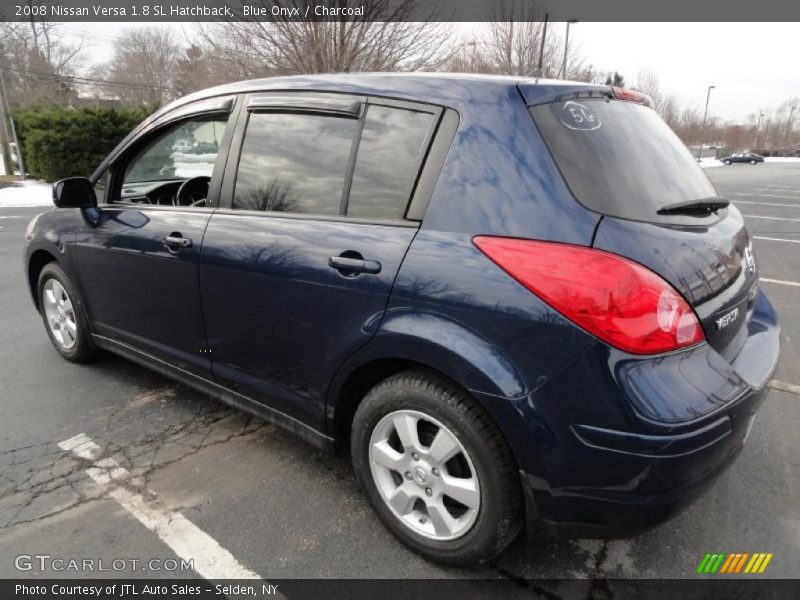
(281, 510)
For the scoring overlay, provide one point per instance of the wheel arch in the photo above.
(36, 263)
(432, 342)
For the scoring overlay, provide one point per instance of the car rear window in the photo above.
(619, 158)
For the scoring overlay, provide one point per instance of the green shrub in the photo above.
(60, 142)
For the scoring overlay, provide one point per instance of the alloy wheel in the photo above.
(424, 475)
(60, 314)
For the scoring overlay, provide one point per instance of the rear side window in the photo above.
(294, 163)
(389, 155)
(619, 158)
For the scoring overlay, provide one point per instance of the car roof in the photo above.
(446, 89)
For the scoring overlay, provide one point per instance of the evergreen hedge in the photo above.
(60, 142)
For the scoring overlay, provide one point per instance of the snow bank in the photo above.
(22, 194)
(789, 159)
(709, 161)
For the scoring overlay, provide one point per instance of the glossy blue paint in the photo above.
(280, 320)
(602, 438)
(140, 291)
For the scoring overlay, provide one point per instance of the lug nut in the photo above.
(428, 491)
(435, 471)
(407, 475)
(422, 520)
(415, 456)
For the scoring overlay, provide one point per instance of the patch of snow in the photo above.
(708, 162)
(22, 194)
(789, 159)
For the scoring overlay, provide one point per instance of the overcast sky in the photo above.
(752, 65)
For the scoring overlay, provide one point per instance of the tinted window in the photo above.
(294, 163)
(620, 158)
(389, 155)
(188, 149)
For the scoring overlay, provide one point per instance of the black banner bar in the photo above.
(705, 587)
(399, 10)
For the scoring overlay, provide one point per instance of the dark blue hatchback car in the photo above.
(517, 301)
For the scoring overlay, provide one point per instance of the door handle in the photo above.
(176, 239)
(350, 265)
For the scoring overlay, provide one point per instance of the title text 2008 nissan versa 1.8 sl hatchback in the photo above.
(519, 302)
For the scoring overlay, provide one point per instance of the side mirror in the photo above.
(74, 192)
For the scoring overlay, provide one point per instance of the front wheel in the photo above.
(727, 162)
(63, 316)
(436, 469)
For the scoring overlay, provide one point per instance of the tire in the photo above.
(727, 162)
(75, 346)
(752, 162)
(483, 463)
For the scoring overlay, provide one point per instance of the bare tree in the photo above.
(143, 65)
(381, 39)
(38, 63)
(511, 44)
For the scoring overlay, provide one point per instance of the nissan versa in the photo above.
(519, 302)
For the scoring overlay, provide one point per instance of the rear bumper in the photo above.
(615, 444)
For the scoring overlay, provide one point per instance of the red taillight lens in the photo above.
(617, 300)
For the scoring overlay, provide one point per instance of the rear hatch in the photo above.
(622, 161)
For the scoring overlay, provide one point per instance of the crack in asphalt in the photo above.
(40, 472)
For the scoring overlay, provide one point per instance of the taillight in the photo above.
(615, 299)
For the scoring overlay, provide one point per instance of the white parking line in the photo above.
(770, 218)
(211, 560)
(12, 217)
(768, 203)
(784, 387)
(772, 239)
(780, 282)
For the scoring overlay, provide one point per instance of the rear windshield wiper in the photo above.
(702, 207)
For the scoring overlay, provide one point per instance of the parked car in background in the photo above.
(472, 283)
(744, 157)
(182, 146)
(205, 148)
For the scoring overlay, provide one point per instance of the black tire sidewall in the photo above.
(482, 540)
(83, 348)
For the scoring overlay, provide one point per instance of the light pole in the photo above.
(758, 130)
(703, 128)
(566, 49)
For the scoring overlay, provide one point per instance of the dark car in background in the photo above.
(743, 157)
(518, 302)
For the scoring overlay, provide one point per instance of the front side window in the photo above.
(174, 168)
(294, 163)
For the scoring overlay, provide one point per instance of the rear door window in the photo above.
(620, 159)
(391, 149)
(295, 163)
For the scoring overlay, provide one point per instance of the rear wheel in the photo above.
(436, 469)
(752, 162)
(63, 316)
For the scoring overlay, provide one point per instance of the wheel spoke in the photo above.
(462, 490)
(402, 500)
(72, 328)
(406, 427)
(50, 297)
(67, 305)
(443, 521)
(386, 456)
(444, 446)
